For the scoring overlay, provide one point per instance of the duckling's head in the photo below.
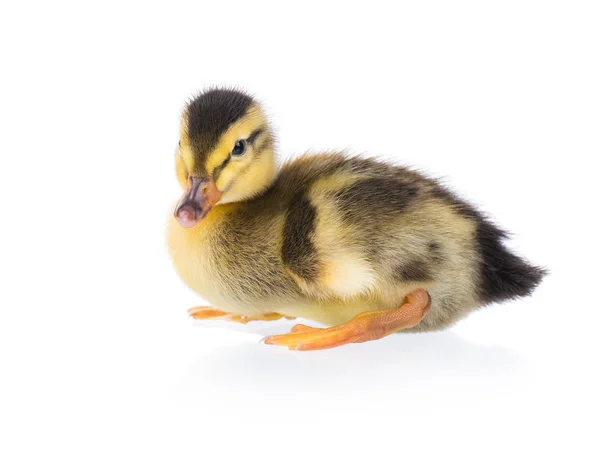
(225, 153)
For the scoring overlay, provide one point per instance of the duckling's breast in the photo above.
(233, 260)
(188, 249)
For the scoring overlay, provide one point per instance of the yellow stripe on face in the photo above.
(241, 129)
(238, 183)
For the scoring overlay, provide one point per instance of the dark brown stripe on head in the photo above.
(254, 135)
(266, 144)
(217, 171)
(210, 114)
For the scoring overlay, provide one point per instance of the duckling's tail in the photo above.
(503, 274)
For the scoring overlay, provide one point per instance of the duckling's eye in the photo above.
(239, 148)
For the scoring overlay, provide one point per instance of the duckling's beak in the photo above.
(195, 204)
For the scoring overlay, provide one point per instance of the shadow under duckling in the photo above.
(365, 246)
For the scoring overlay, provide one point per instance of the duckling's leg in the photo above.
(363, 327)
(208, 312)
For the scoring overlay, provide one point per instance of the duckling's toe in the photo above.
(247, 318)
(208, 312)
(312, 339)
(303, 328)
(205, 312)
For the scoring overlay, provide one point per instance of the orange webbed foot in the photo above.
(363, 327)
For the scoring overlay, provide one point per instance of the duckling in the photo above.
(365, 247)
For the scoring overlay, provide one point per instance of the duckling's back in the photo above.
(360, 233)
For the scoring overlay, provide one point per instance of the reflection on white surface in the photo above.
(410, 365)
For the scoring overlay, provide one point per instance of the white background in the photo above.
(499, 98)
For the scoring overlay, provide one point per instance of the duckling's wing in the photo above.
(361, 226)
